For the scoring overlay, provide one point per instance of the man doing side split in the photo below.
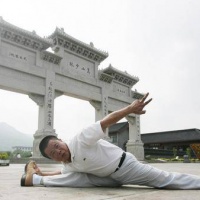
(88, 153)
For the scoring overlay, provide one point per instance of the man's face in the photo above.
(57, 150)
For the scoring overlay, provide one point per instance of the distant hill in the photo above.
(10, 137)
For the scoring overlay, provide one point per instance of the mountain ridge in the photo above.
(10, 136)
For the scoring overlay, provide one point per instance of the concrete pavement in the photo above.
(10, 188)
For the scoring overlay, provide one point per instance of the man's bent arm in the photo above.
(136, 108)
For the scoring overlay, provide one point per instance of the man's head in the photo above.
(53, 148)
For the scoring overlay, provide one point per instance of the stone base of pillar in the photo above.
(38, 136)
(136, 148)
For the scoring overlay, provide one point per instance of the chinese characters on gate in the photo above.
(49, 104)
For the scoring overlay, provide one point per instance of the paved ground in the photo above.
(10, 187)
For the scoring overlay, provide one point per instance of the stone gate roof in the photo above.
(120, 76)
(23, 37)
(74, 45)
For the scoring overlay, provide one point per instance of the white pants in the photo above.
(77, 179)
(133, 172)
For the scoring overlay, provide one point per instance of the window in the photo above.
(113, 139)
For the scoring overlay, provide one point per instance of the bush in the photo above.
(188, 152)
(174, 159)
(4, 156)
(148, 157)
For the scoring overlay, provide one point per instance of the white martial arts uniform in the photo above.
(91, 154)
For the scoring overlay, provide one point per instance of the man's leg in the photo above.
(135, 173)
(77, 179)
(32, 177)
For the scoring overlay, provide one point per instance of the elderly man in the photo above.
(88, 153)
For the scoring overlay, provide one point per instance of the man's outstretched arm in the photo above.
(136, 108)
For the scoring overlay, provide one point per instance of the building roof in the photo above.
(117, 127)
(185, 135)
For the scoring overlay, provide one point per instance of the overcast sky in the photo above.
(156, 40)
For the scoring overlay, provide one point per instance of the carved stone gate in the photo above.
(27, 67)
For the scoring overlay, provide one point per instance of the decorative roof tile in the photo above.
(23, 37)
(122, 77)
(50, 57)
(72, 44)
(136, 95)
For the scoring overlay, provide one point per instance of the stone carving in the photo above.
(17, 56)
(50, 57)
(105, 77)
(105, 107)
(50, 99)
(82, 68)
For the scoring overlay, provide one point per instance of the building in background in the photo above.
(22, 148)
(160, 143)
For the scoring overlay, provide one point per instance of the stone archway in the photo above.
(72, 69)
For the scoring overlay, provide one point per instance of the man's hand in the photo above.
(37, 170)
(137, 106)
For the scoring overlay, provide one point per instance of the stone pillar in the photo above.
(101, 110)
(46, 114)
(98, 110)
(134, 144)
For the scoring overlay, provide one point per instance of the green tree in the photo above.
(26, 154)
(23, 154)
